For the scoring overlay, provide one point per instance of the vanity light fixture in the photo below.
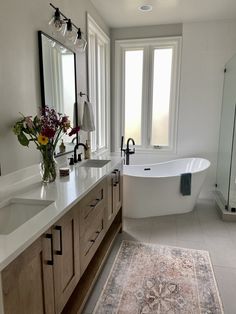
(80, 42)
(70, 31)
(56, 22)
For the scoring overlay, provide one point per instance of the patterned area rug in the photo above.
(148, 279)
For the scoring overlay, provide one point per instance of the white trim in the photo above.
(147, 45)
(100, 37)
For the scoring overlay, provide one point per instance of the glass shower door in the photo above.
(226, 168)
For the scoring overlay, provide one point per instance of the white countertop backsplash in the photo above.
(65, 192)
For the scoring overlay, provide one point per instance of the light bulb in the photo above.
(80, 42)
(56, 23)
(68, 31)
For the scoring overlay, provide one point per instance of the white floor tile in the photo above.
(226, 280)
(201, 229)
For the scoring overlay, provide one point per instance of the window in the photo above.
(99, 76)
(147, 84)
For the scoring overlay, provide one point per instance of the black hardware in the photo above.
(71, 161)
(127, 151)
(93, 241)
(49, 236)
(146, 169)
(65, 17)
(75, 151)
(59, 228)
(79, 157)
(83, 94)
(233, 209)
(226, 207)
(216, 185)
(121, 145)
(225, 70)
(97, 201)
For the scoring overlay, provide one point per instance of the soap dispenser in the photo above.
(87, 152)
(62, 147)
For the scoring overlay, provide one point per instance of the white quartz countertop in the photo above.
(65, 192)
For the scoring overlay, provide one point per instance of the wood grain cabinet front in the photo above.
(66, 268)
(48, 273)
(115, 185)
(27, 283)
(92, 222)
(43, 277)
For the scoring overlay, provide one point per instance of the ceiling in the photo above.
(124, 13)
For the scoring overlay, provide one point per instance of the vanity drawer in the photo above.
(90, 239)
(94, 200)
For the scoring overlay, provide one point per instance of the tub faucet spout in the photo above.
(128, 151)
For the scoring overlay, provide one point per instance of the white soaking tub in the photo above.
(154, 190)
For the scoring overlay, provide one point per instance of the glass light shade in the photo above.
(68, 31)
(56, 22)
(80, 42)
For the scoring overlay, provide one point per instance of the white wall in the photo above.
(207, 47)
(19, 67)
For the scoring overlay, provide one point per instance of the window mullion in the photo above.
(150, 94)
(145, 97)
(97, 92)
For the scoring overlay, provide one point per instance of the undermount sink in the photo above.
(16, 211)
(94, 163)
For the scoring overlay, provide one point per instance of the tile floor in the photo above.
(200, 229)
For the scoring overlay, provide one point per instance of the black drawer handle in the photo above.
(49, 236)
(97, 201)
(59, 228)
(93, 241)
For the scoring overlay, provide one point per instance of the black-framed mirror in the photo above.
(58, 82)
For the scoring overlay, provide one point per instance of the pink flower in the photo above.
(74, 130)
(48, 132)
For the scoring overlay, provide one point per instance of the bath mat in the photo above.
(153, 279)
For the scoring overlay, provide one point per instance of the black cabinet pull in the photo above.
(95, 204)
(59, 228)
(49, 236)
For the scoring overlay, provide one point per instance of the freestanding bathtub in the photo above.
(154, 190)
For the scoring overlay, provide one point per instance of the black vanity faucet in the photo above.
(75, 150)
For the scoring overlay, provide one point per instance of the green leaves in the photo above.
(23, 139)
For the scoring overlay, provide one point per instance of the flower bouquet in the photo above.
(45, 130)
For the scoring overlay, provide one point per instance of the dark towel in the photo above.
(185, 183)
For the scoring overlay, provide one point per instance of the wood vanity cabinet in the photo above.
(43, 277)
(66, 266)
(114, 182)
(27, 283)
(63, 263)
(92, 210)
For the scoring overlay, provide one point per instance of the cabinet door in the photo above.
(92, 222)
(114, 181)
(28, 281)
(116, 190)
(66, 258)
(110, 209)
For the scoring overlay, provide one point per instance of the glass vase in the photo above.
(48, 166)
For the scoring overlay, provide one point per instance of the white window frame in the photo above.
(147, 45)
(100, 37)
